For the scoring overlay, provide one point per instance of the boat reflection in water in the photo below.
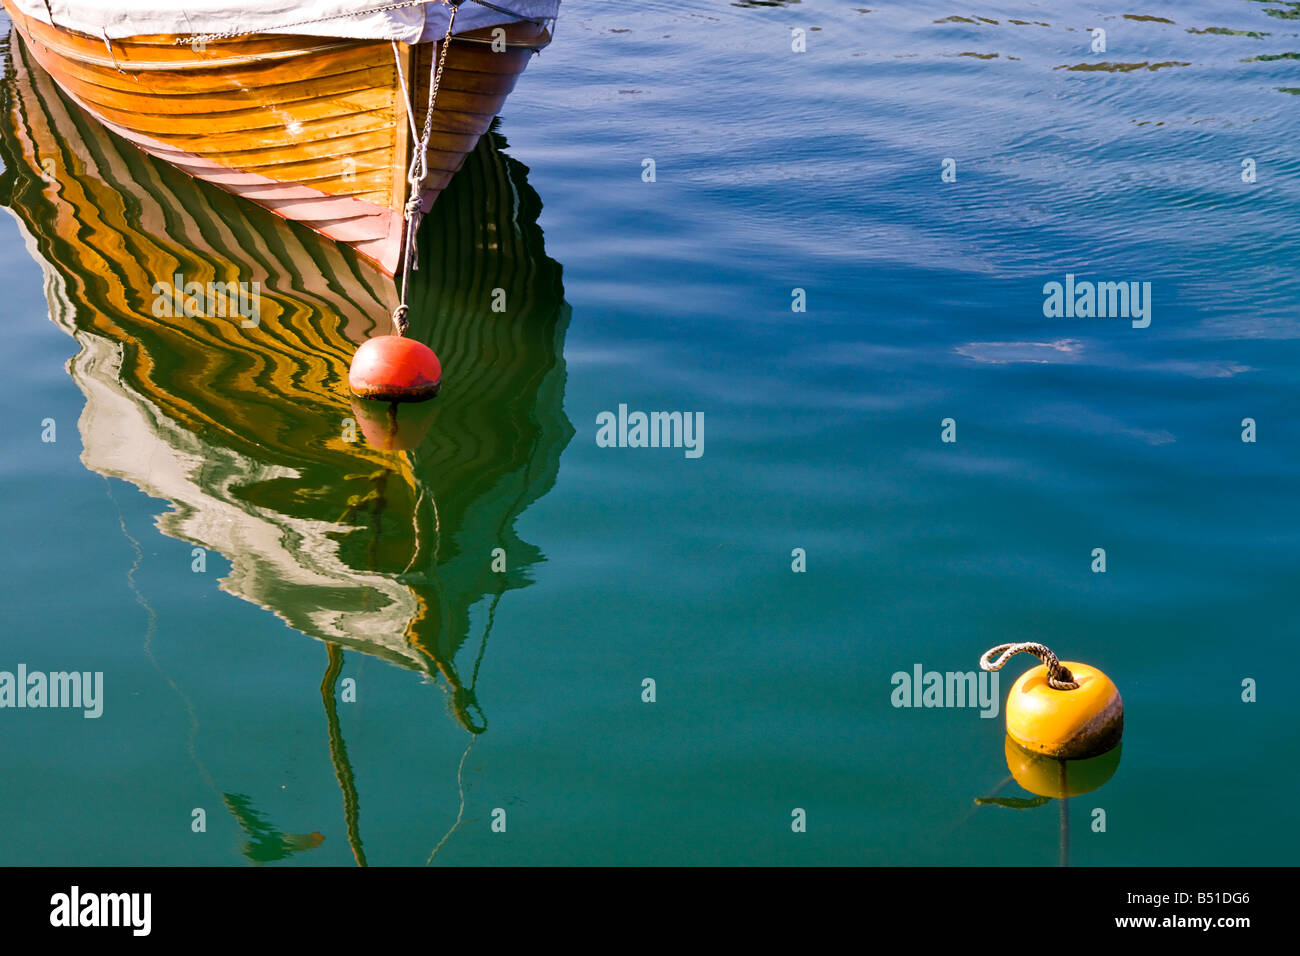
(246, 426)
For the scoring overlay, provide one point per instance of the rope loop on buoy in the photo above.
(400, 321)
(1058, 675)
(418, 171)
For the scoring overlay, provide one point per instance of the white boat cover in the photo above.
(411, 21)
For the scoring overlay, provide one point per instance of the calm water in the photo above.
(329, 561)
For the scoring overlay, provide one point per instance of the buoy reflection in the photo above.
(1048, 777)
(1051, 779)
(393, 426)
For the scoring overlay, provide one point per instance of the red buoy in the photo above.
(389, 368)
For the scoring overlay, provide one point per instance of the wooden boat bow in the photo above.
(317, 129)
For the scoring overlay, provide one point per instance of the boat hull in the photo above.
(315, 129)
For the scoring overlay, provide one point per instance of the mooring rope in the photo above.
(406, 91)
(1058, 675)
(418, 171)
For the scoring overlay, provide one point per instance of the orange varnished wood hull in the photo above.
(315, 129)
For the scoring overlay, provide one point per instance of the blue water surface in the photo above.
(781, 179)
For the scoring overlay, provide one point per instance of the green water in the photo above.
(483, 695)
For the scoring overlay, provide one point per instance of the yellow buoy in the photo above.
(1064, 710)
